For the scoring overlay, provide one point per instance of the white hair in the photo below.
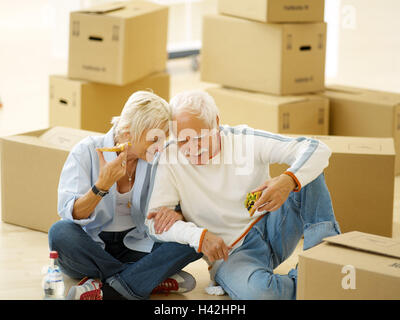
(143, 110)
(196, 102)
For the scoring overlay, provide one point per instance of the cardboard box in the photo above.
(90, 106)
(360, 179)
(365, 113)
(118, 43)
(31, 164)
(272, 58)
(350, 266)
(305, 114)
(275, 10)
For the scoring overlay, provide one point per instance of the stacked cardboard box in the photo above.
(264, 49)
(364, 113)
(274, 10)
(89, 105)
(115, 49)
(303, 114)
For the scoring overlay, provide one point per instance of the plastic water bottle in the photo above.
(53, 282)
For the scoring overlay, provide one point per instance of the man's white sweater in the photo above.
(212, 196)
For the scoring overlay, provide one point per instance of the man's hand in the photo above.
(214, 247)
(164, 219)
(274, 193)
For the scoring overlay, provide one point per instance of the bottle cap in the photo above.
(53, 254)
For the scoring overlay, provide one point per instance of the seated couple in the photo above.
(133, 219)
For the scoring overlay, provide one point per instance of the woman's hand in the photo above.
(164, 219)
(274, 193)
(111, 172)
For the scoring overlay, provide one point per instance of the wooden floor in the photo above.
(24, 252)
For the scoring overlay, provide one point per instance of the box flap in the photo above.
(56, 137)
(366, 95)
(66, 78)
(63, 137)
(344, 89)
(104, 8)
(27, 140)
(360, 145)
(367, 242)
(123, 10)
(266, 98)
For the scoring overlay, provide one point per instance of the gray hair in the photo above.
(196, 102)
(143, 110)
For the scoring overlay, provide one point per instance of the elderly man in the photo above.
(210, 169)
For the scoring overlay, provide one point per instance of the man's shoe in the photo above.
(86, 289)
(181, 282)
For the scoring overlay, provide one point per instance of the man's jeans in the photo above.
(133, 274)
(248, 273)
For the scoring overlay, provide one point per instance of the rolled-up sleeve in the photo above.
(165, 194)
(75, 181)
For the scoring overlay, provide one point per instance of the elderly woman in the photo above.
(102, 200)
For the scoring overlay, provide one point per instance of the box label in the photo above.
(296, 7)
(358, 147)
(94, 68)
(304, 79)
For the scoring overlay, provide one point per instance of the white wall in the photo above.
(185, 22)
(368, 44)
(33, 44)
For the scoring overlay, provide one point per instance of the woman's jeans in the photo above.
(133, 274)
(248, 272)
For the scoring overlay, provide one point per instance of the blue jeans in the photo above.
(132, 273)
(248, 273)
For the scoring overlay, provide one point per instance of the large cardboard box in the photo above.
(118, 43)
(360, 179)
(275, 10)
(350, 266)
(90, 106)
(272, 58)
(305, 114)
(365, 113)
(31, 164)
